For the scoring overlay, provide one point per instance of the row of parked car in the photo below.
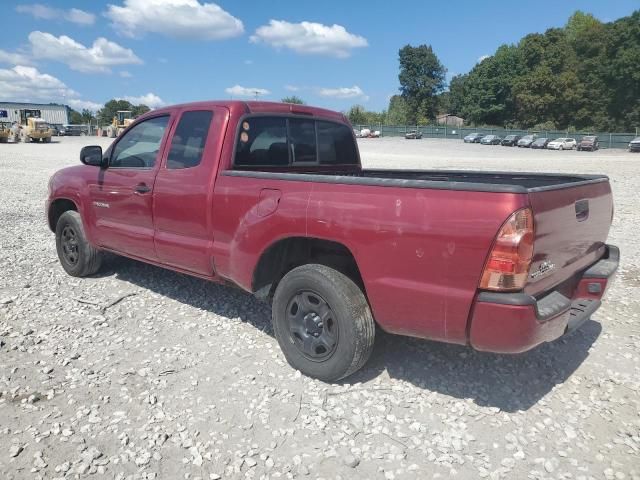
(589, 143)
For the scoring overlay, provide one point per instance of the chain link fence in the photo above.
(607, 139)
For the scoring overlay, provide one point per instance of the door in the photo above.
(121, 196)
(183, 194)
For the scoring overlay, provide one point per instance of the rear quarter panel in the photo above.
(420, 252)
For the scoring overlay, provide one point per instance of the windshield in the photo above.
(527, 137)
(509, 137)
(541, 140)
(589, 139)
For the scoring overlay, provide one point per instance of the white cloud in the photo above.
(45, 12)
(238, 91)
(98, 58)
(344, 92)
(309, 38)
(151, 100)
(22, 83)
(80, 105)
(125, 74)
(27, 84)
(483, 57)
(291, 88)
(174, 18)
(80, 17)
(14, 58)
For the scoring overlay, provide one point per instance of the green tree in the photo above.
(456, 94)
(87, 116)
(357, 115)
(422, 78)
(293, 99)
(105, 114)
(138, 110)
(397, 112)
(75, 117)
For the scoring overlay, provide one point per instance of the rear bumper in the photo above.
(517, 322)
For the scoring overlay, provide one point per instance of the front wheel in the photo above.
(322, 322)
(77, 256)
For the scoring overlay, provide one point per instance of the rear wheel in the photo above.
(322, 322)
(77, 256)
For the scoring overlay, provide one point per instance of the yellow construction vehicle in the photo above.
(32, 128)
(121, 120)
(5, 127)
(5, 130)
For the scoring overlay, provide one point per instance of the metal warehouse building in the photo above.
(50, 113)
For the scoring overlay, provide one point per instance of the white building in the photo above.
(51, 113)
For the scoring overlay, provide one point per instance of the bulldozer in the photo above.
(121, 120)
(32, 128)
(5, 127)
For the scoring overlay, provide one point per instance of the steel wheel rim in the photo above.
(312, 326)
(70, 250)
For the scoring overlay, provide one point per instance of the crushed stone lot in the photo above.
(142, 373)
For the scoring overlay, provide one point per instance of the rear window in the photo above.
(189, 140)
(336, 145)
(262, 141)
(280, 141)
(302, 136)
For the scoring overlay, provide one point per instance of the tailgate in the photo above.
(571, 228)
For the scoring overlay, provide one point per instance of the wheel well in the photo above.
(57, 208)
(287, 254)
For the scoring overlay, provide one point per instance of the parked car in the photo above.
(75, 130)
(473, 138)
(541, 142)
(590, 143)
(413, 135)
(212, 189)
(562, 144)
(57, 129)
(510, 140)
(527, 140)
(491, 140)
(634, 145)
(357, 133)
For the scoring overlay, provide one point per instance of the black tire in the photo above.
(348, 323)
(77, 256)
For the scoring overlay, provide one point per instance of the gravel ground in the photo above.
(143, 373)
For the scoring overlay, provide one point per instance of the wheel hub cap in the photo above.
(312, 327)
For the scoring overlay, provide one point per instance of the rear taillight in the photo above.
(508, 263)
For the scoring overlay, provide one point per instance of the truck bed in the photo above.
(470, 180)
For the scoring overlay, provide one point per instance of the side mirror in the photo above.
(91, 155)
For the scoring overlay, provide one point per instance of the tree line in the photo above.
(105, 115)
(585, 75)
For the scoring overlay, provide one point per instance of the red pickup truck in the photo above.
(272, 198)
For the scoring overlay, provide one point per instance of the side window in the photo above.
(189, 140)
(302, 138)
(138, 148)
(336, 144)
(262, 141)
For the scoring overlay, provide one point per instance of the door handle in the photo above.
(142, 188)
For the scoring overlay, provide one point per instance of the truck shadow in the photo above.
(507, 382)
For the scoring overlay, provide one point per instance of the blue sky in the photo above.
(330, 53)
